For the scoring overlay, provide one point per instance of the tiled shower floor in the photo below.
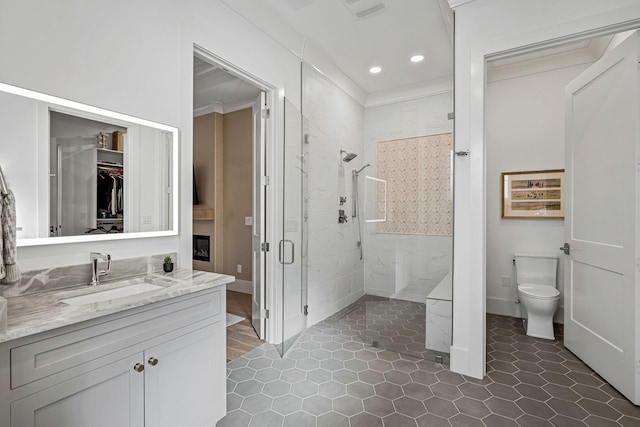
(331, 378)
(394, 325)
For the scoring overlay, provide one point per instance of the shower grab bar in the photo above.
(3, 184)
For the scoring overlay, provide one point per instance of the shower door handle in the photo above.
(281, 250)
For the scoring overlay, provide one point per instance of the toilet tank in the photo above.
(536, 269)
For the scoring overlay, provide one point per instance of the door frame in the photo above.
(507, 53)
(275, 103)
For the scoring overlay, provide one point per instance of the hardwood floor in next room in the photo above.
(241, 338)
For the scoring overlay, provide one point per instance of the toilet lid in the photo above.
(539, 291)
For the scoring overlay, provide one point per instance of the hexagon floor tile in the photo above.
(335, 379)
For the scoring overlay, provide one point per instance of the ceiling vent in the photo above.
(361, 9)
(298, 4)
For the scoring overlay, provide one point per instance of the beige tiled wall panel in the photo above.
(418, 174)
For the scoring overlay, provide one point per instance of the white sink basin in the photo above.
(112, 294)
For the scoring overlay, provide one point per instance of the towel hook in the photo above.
(3, 184)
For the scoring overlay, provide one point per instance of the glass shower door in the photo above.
(408, 243)
(292, 247)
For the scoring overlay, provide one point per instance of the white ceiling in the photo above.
(217, 91)
(388, 38)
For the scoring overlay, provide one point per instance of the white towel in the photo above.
(9, 272)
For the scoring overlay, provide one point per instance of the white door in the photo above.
(600, 224)
(106, 397)
(182, 378)
(259, 171)
(77, 186)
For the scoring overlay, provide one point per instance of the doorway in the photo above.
(528, 129)
(230, 199)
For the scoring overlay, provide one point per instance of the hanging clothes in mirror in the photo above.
(110, 194)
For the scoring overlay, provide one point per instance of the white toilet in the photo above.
(536, 279)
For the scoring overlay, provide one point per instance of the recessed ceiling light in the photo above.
(375, 70)
(417, 58)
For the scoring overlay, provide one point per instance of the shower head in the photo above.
(348, 156)
(361, 169)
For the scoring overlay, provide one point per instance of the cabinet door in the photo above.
(106, 397)
(185, 379)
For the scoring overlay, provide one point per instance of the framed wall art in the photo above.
(533, 194)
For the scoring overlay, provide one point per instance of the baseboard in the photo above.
(244, 286)
(511, 308)
(378, 292)
(503, 307)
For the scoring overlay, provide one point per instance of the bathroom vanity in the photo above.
(146, 351)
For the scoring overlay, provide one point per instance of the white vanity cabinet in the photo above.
(163, 364)
(107, 396)
(183, 388)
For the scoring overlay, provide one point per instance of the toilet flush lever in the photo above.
(566, 249)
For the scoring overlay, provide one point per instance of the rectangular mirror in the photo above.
(81, 173)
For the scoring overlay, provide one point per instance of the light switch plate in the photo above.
(248, 220)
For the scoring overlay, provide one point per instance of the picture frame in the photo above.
(533, 194)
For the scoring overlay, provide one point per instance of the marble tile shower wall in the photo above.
(62, 277)
(408, 265)
(405, 266)
(334, 121)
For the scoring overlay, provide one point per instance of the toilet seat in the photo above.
(541, 292)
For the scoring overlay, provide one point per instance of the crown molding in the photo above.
(214, 107)
(408, 93)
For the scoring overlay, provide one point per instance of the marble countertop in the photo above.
(43, 310)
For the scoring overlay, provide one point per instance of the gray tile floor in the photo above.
(395, 325)
(331, 378)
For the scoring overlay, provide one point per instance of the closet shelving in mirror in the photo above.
(68, 134)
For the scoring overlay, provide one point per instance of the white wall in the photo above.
(393, 261)
(334, 121)
(525, 132)
(142, 67)
(485, 27)
(19, 158)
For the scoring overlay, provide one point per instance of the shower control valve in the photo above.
(342, 218)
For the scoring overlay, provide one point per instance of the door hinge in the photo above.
(264, 246)
(264, 313)
(265, 180)
(266, 113)
(305, 310)
(451, 116)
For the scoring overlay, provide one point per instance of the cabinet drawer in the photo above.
(43, 358)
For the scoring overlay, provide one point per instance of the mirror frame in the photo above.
(64, 105)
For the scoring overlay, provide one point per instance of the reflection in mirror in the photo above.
(80, 173)
(86, 164)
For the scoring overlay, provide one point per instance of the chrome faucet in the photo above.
(95, 273)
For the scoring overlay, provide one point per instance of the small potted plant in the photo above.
(167, 265)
